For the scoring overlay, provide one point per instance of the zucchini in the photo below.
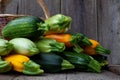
(51, 62)
(24, 46)
(102, 59)
(49, 45)
(82, 61)
(5, 66)
(23, 27)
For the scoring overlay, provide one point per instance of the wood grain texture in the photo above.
(90, 18)
(75, 12)
(115, 68)
(105, 75)
(31, 7)
(11, 8)
(84, 15)
(43, 77)
(108, 27)
(46, 76)
(8, 76)
(3, 4)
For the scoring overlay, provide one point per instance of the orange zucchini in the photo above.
(65, 38)
(70, 39)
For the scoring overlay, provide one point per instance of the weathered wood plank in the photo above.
(105, 75)
(73, 8)
(53, 6)
(115, 68)
(90, 18)
(51, 76)
(8, 76)
(0, 8)
(11, 8)
(31, 7)
(108, 27)
(84, 15)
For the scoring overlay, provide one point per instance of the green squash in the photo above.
(23, 27)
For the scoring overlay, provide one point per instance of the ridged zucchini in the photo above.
(22, 27)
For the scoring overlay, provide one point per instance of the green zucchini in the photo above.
(23, 27)
(82, 61)
(51, 62)
(102, 59)
(5, 66)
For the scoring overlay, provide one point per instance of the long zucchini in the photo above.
(82, 61)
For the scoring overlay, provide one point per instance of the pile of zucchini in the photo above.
(32, 46)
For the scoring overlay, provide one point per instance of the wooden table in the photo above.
(105, 75)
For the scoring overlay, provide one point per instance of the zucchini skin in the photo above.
(49, 62)
(82, 62)
(78, 59)
(22, 27)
